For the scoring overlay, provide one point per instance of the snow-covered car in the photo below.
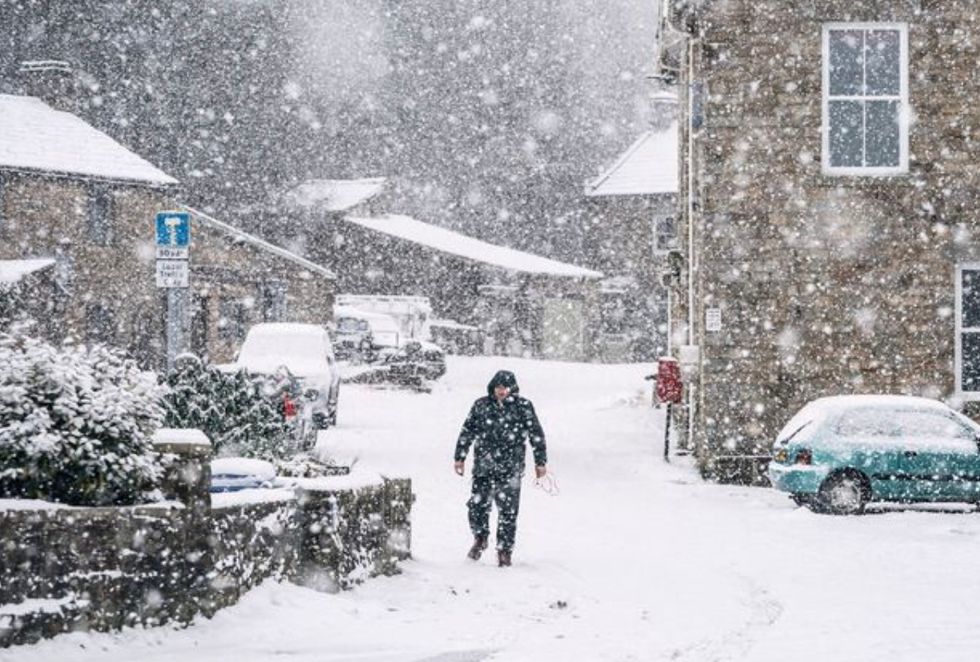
(415, 361)
(230, 474)
(306, 352)
(839, 453)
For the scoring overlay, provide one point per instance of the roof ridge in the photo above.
(604, 176)
(556, 267)
(258, 242)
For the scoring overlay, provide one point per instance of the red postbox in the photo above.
(289, 409)
(669, 386)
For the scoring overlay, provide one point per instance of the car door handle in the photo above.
(910, 453)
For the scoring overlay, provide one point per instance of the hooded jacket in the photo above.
(498, 431)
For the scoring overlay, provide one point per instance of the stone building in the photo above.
(632, 210)
(828, 197)
(72, 195)
(77, 246)
(524, 304)
(238, 279)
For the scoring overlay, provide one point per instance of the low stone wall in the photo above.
(64, 568)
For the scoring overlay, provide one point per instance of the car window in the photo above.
(901, 424)
(931, 425)
(350, 325)
(867, 423)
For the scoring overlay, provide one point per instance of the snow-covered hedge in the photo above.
(76, 424)
(240, 413)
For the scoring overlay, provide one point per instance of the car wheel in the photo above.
(844, 493)
(801, 499)
(322, 419)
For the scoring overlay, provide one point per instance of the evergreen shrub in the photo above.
(76, 424)
(239, 412)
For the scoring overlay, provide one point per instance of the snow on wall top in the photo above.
(11, 271)
(37, 137)
(648, 167)
(189, 436)
(334, 194)
(454, 243)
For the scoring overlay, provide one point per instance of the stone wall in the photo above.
(64, 568)
(826, 284)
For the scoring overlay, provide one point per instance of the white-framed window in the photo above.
(968, 331)
(865, 99)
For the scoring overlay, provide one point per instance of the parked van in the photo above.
(361, 334)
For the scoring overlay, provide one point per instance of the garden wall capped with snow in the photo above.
(66, 568)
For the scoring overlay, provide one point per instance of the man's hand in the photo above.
(458, 467)
(540, 470)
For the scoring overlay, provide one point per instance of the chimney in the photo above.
(52, 81)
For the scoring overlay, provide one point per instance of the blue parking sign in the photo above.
(173, 228)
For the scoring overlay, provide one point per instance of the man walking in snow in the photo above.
(498, 426)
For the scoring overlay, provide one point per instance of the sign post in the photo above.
(173, 240)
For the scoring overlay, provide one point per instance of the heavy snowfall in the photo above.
(262, 263)
(633, 559)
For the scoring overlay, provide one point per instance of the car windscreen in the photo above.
(351, 325)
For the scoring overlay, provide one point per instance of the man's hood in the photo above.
(503, 378)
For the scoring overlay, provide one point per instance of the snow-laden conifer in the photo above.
(76, 424)
(239, 412)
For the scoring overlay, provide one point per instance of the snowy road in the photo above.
(635, 560)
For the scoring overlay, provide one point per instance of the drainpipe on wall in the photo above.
(691, 266)
(690, 42)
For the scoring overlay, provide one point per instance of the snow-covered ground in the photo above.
(634, 560)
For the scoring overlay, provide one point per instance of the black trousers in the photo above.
(505, 491)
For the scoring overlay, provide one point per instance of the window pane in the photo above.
(917, 424)
(868, 423)
(846, 142)
(846, 62)
(883, 53)
(971, 362)
(882, 140)
(970, 298)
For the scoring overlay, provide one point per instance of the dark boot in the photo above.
(479, 544)
(503, 558)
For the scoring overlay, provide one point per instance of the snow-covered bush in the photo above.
(76, 424)
(12, 306)
(304, 465)
(239, 412)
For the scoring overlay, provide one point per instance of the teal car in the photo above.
(839, 453)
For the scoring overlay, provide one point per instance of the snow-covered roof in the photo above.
(648, 167)
(334, 194)
(452, 324)
(262, 244)
(460, 245)
(12, 271)
(37, 138)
